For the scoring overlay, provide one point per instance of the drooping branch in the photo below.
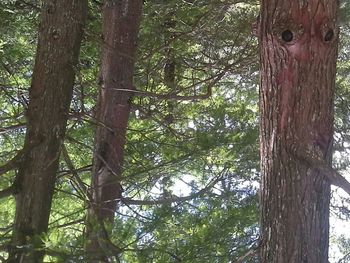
(173, 199)
(314, 157)
(7, 192)
(12, 164)
(81, 185)
(103, 237)
(108, 247)
(251, 253)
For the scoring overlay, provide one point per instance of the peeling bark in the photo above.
(60, 35)
(298, 41)
(120, 29)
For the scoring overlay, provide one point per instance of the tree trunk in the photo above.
(298, 41)
(120, 29)
(169, 82)
(50, 94)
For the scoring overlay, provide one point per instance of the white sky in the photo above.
(338, 227)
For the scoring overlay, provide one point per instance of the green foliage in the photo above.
(341, 138)
(207, 144)
(207, 148)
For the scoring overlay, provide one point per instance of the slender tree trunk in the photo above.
(50, 94)
(120, 29)
(169, 82)
(298, 41)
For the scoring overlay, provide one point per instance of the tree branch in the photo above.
(314, 157)
(12, 127)
(173, 96)
(174, 199)
(33, 6)
(251, 252)
(169, 96)
(7, 192)
(71, 223)
(108, 247)
(345, 258)
(12, 164)
(81, 185)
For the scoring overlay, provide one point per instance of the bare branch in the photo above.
(12, 127)
(33, 6)
(174, 199)
(106, 244)
(78, 221)
(169, 96)
(174, 96)
(12, 164)
(345, 258)
(251, 253)
(81, 185)
(314, 157)
(86, 168)
(77, 212)
(7, 192)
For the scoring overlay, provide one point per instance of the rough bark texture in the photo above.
(120, 29)
(60, 35)
(298, 41)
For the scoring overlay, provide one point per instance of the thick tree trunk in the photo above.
(120, 29)
(298, 41)
(50, 94)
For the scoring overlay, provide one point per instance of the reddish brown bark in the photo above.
(120, 29)
(50, 94)
(298, 41)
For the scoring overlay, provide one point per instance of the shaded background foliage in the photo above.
(203, 149)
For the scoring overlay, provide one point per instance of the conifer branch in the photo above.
(314, 157)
